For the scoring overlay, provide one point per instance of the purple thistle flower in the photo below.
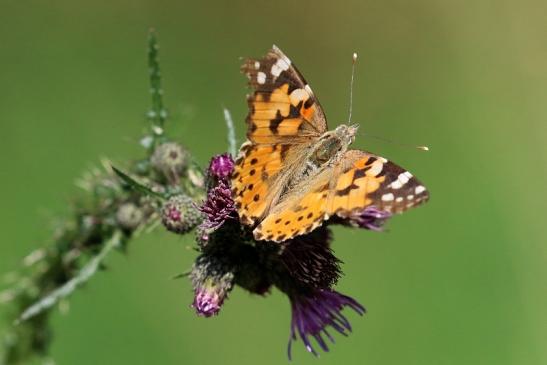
(207, 301)
(313, 312)
(370, 218)
(218, 207)
(221, 166)
(212, 281)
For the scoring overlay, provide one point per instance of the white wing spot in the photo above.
(383, 160)
(287, 61)
(396, 184)
(410, 197)
(402, 179)
(419, 189)
(297, 96)
(280, 66)
(375, 169)
(257, 65)
(387, 197)
(399, 199)
(261, 78)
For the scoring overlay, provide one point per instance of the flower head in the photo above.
(170, 159)
(212, 281)
(218, 207)
(221, 166)
(313, 312)
(179, 214)
(209, 298)
(129, 216)
(370, 218)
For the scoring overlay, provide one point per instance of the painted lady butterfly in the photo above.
(292, 173)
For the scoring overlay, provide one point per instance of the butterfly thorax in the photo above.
(323, 153)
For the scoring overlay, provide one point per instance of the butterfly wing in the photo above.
(366, 180)
(284, 117)
(282, 107)
(257, 169)
(300, 212)
(359, 180)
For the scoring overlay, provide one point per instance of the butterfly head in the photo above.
(346, 133)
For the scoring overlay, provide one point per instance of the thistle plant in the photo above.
(166, 188)
(113, 210)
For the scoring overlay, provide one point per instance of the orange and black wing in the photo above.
(368, 180)
(282, 107)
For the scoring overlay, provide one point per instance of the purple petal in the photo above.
(221, 166)
(313, 312)
(370, 218)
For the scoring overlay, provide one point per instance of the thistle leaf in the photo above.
(135, 185)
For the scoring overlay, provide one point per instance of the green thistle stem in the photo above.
(157, 113)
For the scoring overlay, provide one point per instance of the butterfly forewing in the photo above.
(282, 106)
(368, 180)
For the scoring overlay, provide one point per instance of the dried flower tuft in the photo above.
(129, 216)
(170, 159)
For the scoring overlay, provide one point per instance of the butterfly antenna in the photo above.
(421, 148)
(354, 60)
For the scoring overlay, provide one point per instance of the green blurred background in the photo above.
(459, 281)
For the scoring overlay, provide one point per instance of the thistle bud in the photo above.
(221, 166)
(170, 159)
(212, 281)
(179, 214)
(129, 216)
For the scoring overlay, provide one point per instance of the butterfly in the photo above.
(292, 173)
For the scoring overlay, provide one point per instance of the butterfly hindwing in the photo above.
(300, 212)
